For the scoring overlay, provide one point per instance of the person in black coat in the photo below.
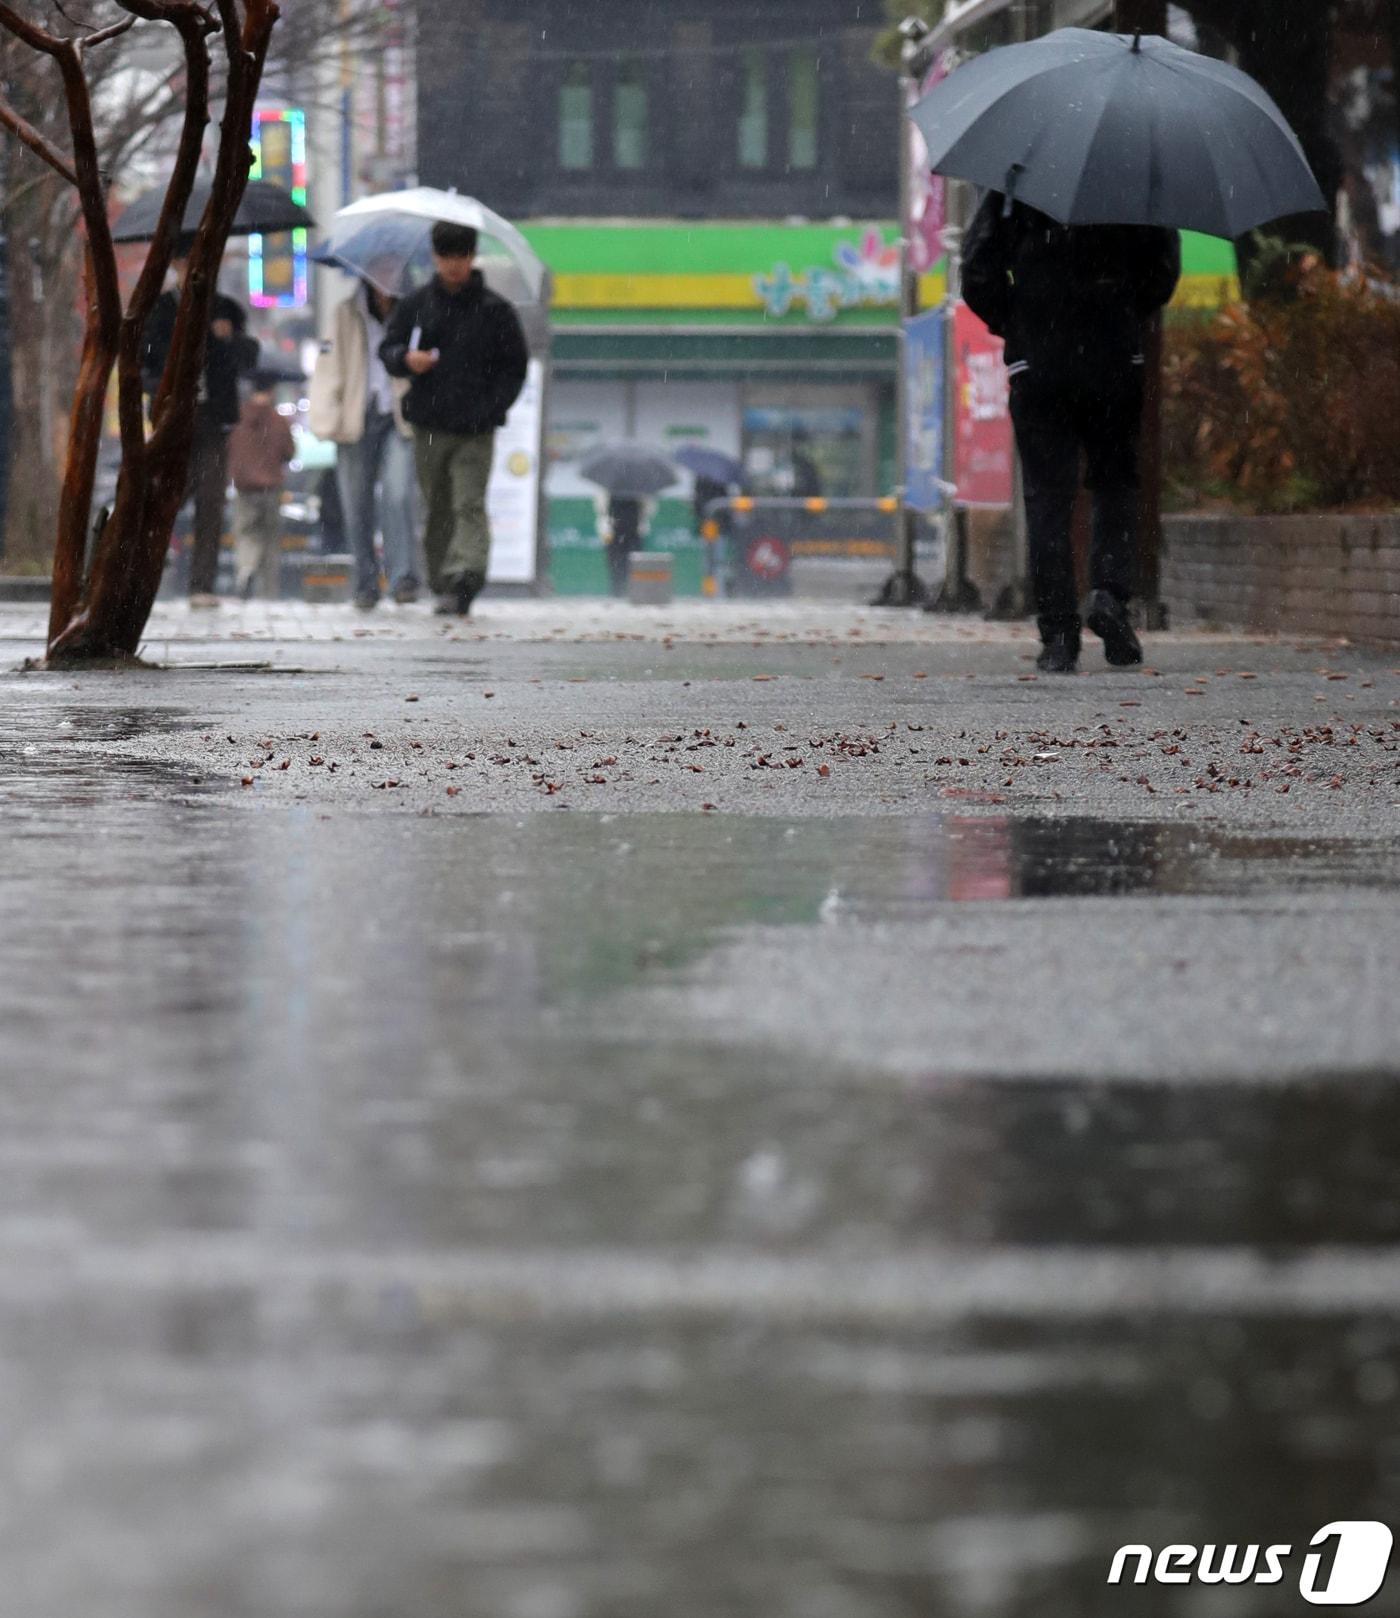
(229, 354)
(464, 352)
(1072, 303)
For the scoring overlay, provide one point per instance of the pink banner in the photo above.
(928, 214)
(983, 425)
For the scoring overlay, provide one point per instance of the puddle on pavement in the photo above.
(351, 1270)
(40, 767)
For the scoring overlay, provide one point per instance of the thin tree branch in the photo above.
(37, 143)
(103, 35)
(36, 38)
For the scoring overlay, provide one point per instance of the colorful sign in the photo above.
(983, 424)
(277, 264)
(924, 350)
(759, 274)
(861, 275)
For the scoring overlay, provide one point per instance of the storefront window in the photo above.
(576, 118)
(802, 109)
(820, 445)
(630, 116)
(753, 111)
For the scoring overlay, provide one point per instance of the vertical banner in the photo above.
(513, 494)
(923, 229)
(983, 423)
(924, 350)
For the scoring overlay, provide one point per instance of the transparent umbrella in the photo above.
(385, 240)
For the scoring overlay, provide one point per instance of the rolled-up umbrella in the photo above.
(704, 462)
(1116, 129)
(386, 240)
(266, 210)
(630, 470)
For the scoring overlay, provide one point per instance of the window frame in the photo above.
(576, 75)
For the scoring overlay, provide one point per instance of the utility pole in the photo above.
(904, 587)
(7, 405)
(1151, 17)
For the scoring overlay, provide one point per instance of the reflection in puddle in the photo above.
(1025, 857)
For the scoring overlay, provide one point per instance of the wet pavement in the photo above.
(493, 1207)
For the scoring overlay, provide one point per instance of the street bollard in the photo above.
(649, 578)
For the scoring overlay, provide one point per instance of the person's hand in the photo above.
(223, 330)
(420, 360)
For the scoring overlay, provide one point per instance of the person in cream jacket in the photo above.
(355, 404)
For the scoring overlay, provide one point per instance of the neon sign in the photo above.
(277, 265)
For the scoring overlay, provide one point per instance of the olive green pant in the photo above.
(453, 471)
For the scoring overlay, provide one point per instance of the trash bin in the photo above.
(649, 578)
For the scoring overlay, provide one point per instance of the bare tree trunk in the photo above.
(105, 616)
(34, 455)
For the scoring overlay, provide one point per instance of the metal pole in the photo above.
(1151, 17)
(904, 588)
(7, 409)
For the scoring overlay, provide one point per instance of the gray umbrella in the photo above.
(629, 469)
(1112, 129)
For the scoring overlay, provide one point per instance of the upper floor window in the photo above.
(630, 115)
(753, 110)
(803, 101)
(576, 118)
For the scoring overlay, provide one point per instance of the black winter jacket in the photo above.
(225, 360)
(1063, 295)
(482, 356)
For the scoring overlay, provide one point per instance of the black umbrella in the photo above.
(1113, 129)
(629, 469)
(266, 210)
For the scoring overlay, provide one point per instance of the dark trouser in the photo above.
(619, 550)
(209, 484)
(454, 473)
(1056, 416)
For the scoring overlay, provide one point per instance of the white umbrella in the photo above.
(385, 239)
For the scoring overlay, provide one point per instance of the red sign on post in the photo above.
(983, 426)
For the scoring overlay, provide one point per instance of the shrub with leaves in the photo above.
(1290, 403)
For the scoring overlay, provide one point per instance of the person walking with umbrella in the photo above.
(1095, 149)
(630, 477)
(230, 353)
(463, 351)
(1071, 302)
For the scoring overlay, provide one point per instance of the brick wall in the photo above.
(1323, 575)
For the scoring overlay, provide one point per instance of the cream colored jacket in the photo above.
(340, 382)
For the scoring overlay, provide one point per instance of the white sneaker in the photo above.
(204, 600)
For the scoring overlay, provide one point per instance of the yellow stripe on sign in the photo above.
(656, 292)
(705, 291)
(1206, 292)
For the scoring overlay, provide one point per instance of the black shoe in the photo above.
(406, 592)
(468, 587)
(1108, 618)
(367, 600)
(1059, 655)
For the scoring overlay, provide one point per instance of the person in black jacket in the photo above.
(464, 351)
(230, 353)
(1072, 303)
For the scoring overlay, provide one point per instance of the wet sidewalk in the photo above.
(878, 1184)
